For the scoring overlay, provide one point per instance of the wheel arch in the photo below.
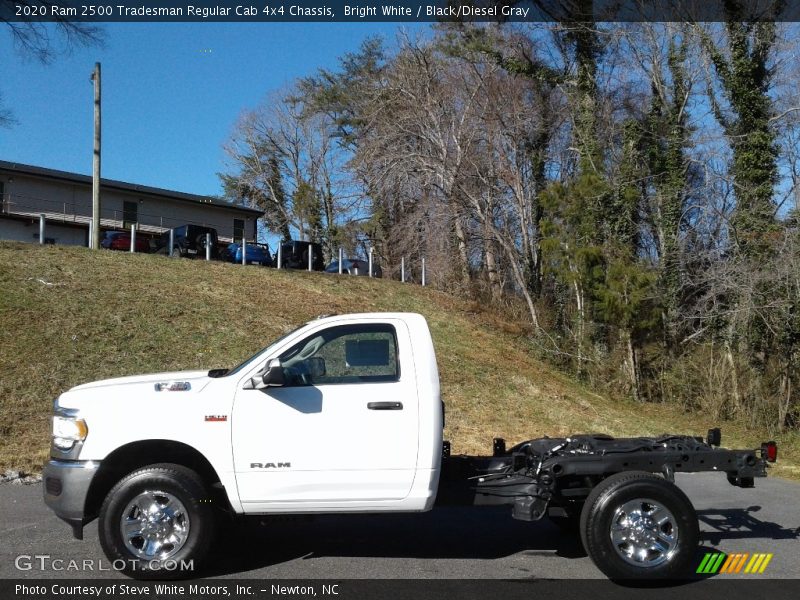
(136, 455)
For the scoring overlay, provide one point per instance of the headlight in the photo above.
(67, 430)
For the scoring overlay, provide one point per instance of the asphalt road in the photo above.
(450, 543)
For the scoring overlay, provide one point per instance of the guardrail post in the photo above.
(91, 233)
(423, 270)
(402, 269)
(133, 237)
(41, 228)
(171, 241)
(280, 254)
(244, 251)
(310, 256)
(370, 261)
(341, 259)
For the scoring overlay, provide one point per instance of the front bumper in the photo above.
(66, 486)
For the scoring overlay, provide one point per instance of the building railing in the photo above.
(15, 205)
(110, 219)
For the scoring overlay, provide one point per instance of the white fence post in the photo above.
(310, 256)
(171, 241)
(423, 270)
(280, 254)
(133, 237)
(208, 246)
(341, 259)
(91, 233)
(41, 228)
(370, 261)
(244, 251)
(402, 269)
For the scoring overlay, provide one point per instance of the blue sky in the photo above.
(171, 94)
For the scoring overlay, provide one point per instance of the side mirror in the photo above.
(273, 376)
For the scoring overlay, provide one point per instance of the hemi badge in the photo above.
(173, 386)
(216, 418)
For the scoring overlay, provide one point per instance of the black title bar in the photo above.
(267, 11)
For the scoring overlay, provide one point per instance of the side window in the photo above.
(130, 213)
(346, 354)
(238, 230)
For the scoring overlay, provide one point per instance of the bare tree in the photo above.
(421, 133)
(284, 160)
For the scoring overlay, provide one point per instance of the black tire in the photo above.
(178, 482)
(609, 501)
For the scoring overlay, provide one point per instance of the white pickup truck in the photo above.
(341, 415)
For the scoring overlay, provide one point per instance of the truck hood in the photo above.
(197, 379)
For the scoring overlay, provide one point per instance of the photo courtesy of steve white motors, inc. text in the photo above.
(194, 590)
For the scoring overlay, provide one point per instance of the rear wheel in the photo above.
(636, 525)
(157, 523)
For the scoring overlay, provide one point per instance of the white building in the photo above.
(26, 192)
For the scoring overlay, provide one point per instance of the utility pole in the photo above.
(95, 241)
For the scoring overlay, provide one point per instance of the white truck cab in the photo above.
(342, 414)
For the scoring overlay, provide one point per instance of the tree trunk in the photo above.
(491, 262)
(580, 325)
(786, 402)
(461, 239)
(737, 398)
(633, 365)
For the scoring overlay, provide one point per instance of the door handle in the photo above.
(385, 406)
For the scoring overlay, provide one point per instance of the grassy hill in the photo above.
(68, 315)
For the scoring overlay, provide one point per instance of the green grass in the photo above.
(68, 316)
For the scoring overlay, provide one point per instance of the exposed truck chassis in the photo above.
(554, 476)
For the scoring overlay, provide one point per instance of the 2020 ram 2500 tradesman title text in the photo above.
(344, 415)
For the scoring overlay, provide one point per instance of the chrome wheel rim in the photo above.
(644, 533)
(154, 525)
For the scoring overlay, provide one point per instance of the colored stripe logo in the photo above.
(743, 562)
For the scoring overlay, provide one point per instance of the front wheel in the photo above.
(635, 525)
(157, 523)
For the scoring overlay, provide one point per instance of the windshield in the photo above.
(246, 362)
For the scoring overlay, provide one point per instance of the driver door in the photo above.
(341, 430)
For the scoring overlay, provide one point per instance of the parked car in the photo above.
(189, 241)
(256, 254)
(294, 255)
(355, 266)
(121, 240)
